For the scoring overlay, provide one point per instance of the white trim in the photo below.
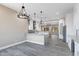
(1, 48)
(35, 42)
(4, 47)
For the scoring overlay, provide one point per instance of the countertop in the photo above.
(39, 33)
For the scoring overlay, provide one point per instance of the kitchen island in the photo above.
(37, 37)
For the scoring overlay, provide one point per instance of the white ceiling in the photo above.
(51, 10)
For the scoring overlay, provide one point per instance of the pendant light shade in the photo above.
(41, 12)
(22, 14)
(41, 22)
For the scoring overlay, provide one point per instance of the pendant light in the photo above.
(34, 15)
(23, 14)
(41, 12)
(29, 19)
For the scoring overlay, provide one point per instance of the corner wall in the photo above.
(69, 24)
(12, 30)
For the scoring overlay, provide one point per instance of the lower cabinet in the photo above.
(73, 47)
(76, 49)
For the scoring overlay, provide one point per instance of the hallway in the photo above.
(54, 48)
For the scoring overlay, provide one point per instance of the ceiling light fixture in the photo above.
(41, 12)
(23, 14)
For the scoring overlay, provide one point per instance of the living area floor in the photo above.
(54, 48)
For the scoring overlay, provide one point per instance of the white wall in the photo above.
(72, 23)
(61, 34)
(38, 28)
(76, 17)
(76, 26)
(37, 24)
(12, 30)
(31, 25)
(69, 25)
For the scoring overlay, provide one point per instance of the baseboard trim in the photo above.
(1, 48)
(17, 43)
(35, 42)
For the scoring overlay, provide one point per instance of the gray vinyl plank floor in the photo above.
(54, 48)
